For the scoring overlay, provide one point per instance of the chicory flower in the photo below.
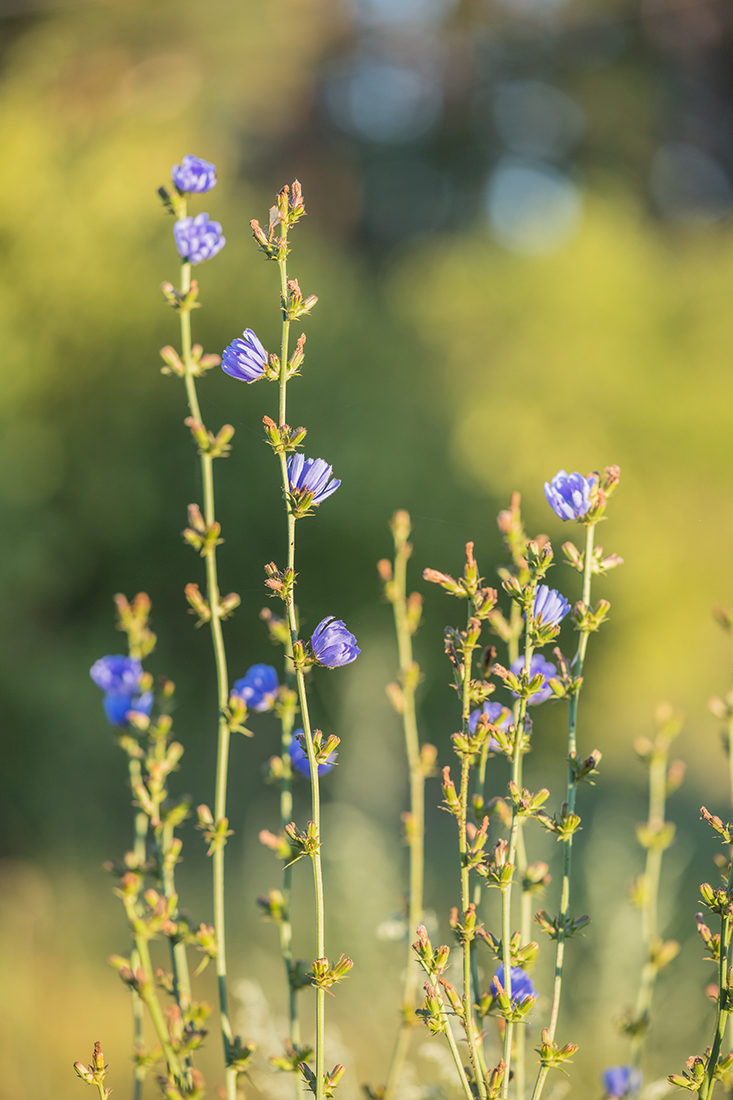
(245, 359)
(522, 986)
(550, 607)
(545, 668)
(310, 479)
(621, 1081)
(194, 175)
(198, 239)
(299, 757)
(569, 494)
(332, 644)
(497, 715)
(120, 678)
(258, 687)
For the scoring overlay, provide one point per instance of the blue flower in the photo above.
(620, 1081)
(117, 706)
(194, 175)
(521, 983)
(245, 359)
(550, 608)
(311, 475)
(119, 678)
(198, 239)
(299, 757)
(569, 494)
(258, 687)
(333, 645)
(545, 668)
(497, 715)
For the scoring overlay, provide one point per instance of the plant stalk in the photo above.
(222, 677)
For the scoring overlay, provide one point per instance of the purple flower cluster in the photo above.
(194, 175)
(119, 678)
(332, 644)
(299, 757)
(569, 494)
(550, 607)
(537, 665)
(198, 239)
(311, 475)
(621, 1081)
(245, 359)
(497, 714)
(258, 687)
(521, 983)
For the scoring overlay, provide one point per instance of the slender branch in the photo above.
(302, 694)
(570, 798)
(722, 1011)
(506, 898)
(396, 590)
(138, 1008)
(222, 676)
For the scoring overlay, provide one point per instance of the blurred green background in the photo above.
(519, 233)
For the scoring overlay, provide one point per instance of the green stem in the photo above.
(416, 825)
(222, 761)
(138, 1008)
(723, 1012)
(305, 715)
(506, 899)
(650, 898)
(570, 798)
(457, 1059)
(153, 1007)
(477, 1060)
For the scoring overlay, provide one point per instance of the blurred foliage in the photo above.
(442, 373)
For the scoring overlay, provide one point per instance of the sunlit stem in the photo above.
(650, 897)
(303, 700)
(476, 1053)
(138, 1008)
(722, 1012)
(506, 898)
(578, 663)
(416, 827)
(152, 1003)
(222, 677)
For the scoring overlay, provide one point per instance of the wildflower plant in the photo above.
(507, 657)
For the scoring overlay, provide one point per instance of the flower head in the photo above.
(117, 674)
(194, 175)
(545, 668)
(569, 494)
(550, 608)
(258, 687)
(521, 983)
(198, 239)
(120, 679)
(621, 1081)
(497, 715)
(310, 479)
(299, 757)
(245, 359)
(333, 645)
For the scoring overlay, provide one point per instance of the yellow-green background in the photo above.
(440, 376)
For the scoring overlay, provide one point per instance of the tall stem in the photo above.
(416, 824)
(570, 798)
(138, 1008)
(222, 677)
(476, 1054)
(723, 1012)
(650, 896)
(506, 898)
(303, 700)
